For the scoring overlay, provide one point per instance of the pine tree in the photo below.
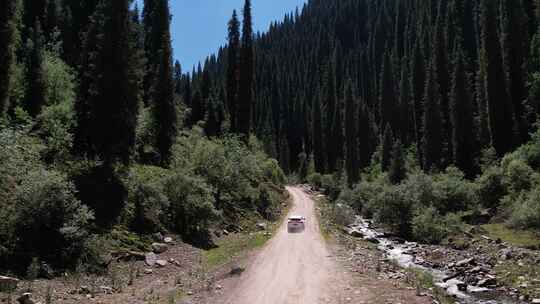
(245, 99)
(107, 106)
(515, 51)
(397, 172)
(387, 145)
(462, 118)
(35, 75)
(432, 133)
(163, 101)
(387, 96)
(366, 138)
(405, 110)
(500, 110)
(232, 69)
(178, 86)
(8, 35)
(318, 140)
(442, 76)
(418, 81)
(331, 105)
(351, 156)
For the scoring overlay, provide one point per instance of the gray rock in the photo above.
(356, 233)
(168, 240)
(148, 271)
(465, 262)
(487, 282)
(8, 283)
(150, 259)
(158, 237)
(225, 232)
(372, 240)
(535, 301)
(161, 263)
(262, 226)
(26, 298)
(106, 289)
(159, 247)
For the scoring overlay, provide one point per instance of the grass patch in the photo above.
(423, 281)
(520, 238)
(525, 277)
(232, 247)
(122, 239)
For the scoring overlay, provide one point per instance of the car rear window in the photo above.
(295, 220)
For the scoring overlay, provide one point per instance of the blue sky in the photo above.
(199, 27)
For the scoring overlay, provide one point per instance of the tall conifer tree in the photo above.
(351, 137)
(232, 69)
(245, 100)
(500, 109)
(8, 35)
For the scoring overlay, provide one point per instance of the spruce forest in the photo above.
(419, 114)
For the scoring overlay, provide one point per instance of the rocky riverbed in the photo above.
(474, 269)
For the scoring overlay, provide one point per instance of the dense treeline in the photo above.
(100, 145)
(448, 78)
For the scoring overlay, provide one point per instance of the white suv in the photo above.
(296, 224)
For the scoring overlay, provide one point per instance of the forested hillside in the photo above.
(450, 78)
(421, 114)
(97, 149)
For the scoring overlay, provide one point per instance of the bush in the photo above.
(49, 222)
(315, 179)
(454, 193)
(395, 210)
(490, 188)
(525, 211)
(330, 185)
(191, 207)
(429, 226)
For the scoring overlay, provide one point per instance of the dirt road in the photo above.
(294, 268)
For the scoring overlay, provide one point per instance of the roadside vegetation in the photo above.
(431, 207)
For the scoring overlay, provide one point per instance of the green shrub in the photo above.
(315, 179)
(490, 188)
(364, 194)
(395, 209)
(454, 193)
(192, 208)
(429, 226)
(330, 185)
(525, 211)
(517, 175)
(49, 222)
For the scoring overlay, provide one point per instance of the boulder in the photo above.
(371, 240)
(158, 237)
(465, 262)
(159, 247)
(535, 301)
(168, 240)
(150, 259)
(148, 271)
(161, 263)
(26, 298)
(8, 283)
(261, 226)
(356, 233)
(487, 282)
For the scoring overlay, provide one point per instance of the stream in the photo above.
(400, 252)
